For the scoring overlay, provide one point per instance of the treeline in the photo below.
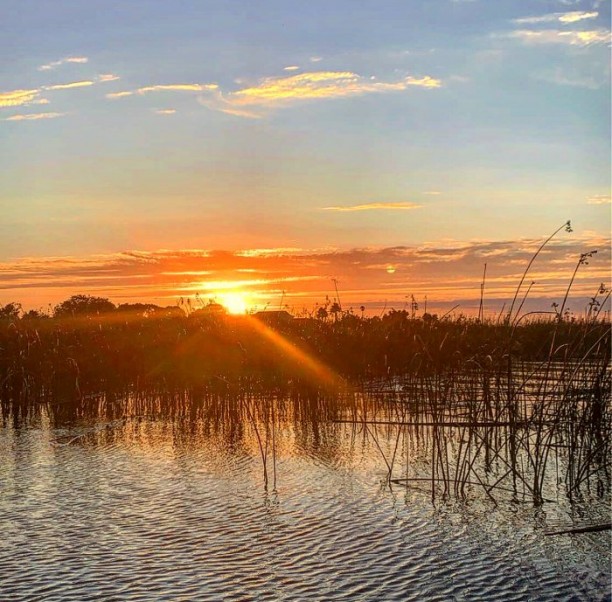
(88, 345)
(86, 306)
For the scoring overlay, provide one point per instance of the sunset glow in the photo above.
(244, 159)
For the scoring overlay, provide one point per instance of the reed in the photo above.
(499, 405)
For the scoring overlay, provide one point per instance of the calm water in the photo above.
(175, 509)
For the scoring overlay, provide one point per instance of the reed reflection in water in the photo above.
(164, 497)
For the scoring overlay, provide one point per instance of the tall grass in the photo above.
(76, 356)
(498, 404)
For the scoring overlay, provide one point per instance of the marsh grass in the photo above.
(526, 431)
(515, 404)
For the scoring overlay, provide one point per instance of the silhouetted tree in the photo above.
(83, 305)
(140, 309)
(34, 314)
(10, 311)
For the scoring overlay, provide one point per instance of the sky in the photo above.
(153, 150)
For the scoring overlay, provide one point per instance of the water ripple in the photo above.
(131, 520)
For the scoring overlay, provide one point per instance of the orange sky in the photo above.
(448, 272)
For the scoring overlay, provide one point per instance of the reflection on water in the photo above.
(153, 498)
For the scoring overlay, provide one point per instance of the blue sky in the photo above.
(339, 125)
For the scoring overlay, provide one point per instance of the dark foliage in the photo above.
(99, 347)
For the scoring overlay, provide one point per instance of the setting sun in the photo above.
(235, 302)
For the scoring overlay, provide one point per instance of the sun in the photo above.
(234, 302)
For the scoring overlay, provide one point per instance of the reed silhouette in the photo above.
(497, 403)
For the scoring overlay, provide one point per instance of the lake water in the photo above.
(174, 508)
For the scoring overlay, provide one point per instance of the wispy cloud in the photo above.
(18, 98)
(177, 88)
(68, 59)
(113, 95)
(599, 199)
(165, 111)
(556, 36)
(270, 252)
(278, 92)
(164, 88)
(212, 286)
(34, 116)
(273, 92)
(575, 16)
(22, 97)
(401, 206)
(568, 17)
(323, 84)
(69, 85)
(107, 77)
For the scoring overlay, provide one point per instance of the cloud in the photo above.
(270, 252)
(18, 98)
(444, 271)
(278, 92)
(316, 59)
(177, 88)
(556, 36)
(114, 95)
(107, 77)
(575, 16)
(165, 111)
(599, 199)
(69, 59)
(70, 85)
(322, 84)
(402, 206)
(291, 68)
(568, 17)
(164, 88)
(281, 91)
(34, 116)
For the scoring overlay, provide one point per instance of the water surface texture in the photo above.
(155, 508)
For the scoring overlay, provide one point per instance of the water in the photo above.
(174, 508)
